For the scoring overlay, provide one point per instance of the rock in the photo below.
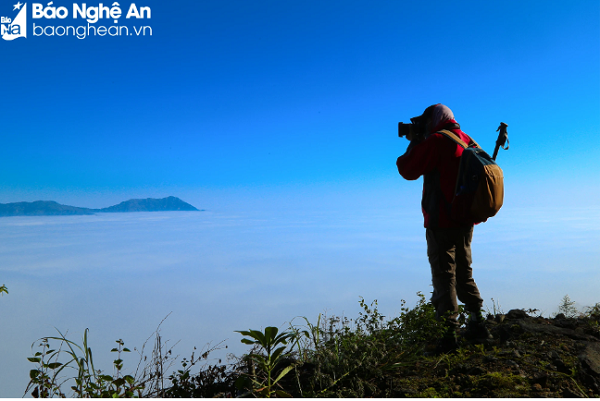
(542, 379)
(565, 323)
(490, 359)
(590, 358)
(516, 314)
(530, 326)
(590, 382)
(505, 335)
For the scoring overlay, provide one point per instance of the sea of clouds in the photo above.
(215, 272)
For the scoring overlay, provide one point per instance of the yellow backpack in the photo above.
(479, 191)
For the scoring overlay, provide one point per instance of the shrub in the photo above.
(336, 356)
(567, 307)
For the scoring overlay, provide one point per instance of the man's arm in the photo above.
(420, 157)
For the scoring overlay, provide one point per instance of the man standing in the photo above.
(437, 158)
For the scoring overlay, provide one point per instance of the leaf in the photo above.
(271, 333)
(119, 382)
(260, 337)
(282, 338)
(34, 373)
(283, 373)
(277, 353)
(242, 381)
(126, 350)
(261, 360)
(282, 394)
(114, 350)
(246, 341)
(54, 365)
(34, 360)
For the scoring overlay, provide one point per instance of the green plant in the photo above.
(496, 308)
(306, 338)
(59, 355)
(3, 289)
(593, 311)
(429, 392)
(45, 380)
(212, 380)
(370, 321)
(273, 345)
(369, 356)
(480, 348)
(592, 315)
(345, 358)
(567, 307)
(416, 327)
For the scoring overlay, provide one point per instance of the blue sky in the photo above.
(280, 118)
(272, 96)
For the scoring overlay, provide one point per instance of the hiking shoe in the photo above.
(476, 331)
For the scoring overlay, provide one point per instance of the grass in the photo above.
(370, 356)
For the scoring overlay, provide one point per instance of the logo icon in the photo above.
(17, 28)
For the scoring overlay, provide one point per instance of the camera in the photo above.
(417, 126)
(405, 129)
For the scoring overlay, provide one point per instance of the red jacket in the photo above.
(437, 158)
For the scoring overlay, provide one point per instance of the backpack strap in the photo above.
(455, 138)
(451, 135)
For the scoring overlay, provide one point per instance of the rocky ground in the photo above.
(529, 357)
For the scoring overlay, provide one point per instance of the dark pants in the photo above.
(449, 252)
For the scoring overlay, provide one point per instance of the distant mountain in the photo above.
(51, 208)
(40, 208)
(150, 205)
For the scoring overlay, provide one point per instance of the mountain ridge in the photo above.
(53, 208)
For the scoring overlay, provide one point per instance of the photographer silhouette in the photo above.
(437, 158)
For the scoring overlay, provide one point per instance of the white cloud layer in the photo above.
(121, 274)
